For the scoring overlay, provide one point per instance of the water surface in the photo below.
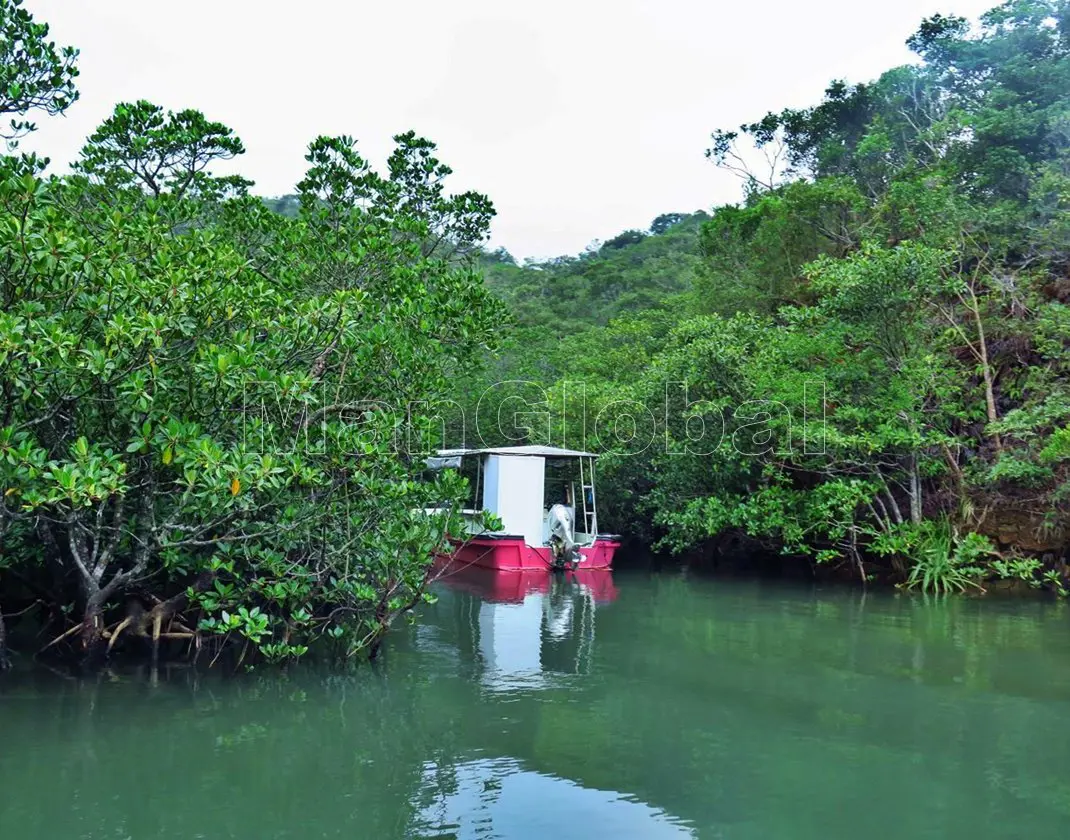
(639, 706)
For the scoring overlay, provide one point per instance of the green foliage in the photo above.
(142, 147)
(1019, 568)
(754, 255)
(874, 340)
(188, 408)
(212, 403)
(35, 75)
(222, 400)
(1057, 447)
(629, 273)
(942, 560)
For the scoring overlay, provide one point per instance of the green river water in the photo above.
(659, 706)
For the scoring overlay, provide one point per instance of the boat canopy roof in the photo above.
(536, 451)
(451, 458)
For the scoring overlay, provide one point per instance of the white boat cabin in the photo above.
(522, 483)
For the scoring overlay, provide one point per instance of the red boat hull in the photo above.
(512, 554)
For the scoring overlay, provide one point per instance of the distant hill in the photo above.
(634, 271)
(284, 205)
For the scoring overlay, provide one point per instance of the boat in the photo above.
(534, 491)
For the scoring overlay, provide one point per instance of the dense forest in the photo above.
(862, 366)
(198, 433)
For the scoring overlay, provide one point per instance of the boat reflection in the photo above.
(505, 587)
(529, 628)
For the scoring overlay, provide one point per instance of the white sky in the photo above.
(579, 118)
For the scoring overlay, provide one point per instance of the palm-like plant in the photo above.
(945, 561)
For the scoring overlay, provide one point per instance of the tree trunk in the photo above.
(893, 506)
(93, 628)
(857, 556)
(981, 352)
(164, 611)
(986, 368)
(915, 491)
(979, 348)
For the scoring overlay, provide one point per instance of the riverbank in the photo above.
(738, 558)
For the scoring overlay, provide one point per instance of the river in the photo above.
(634, 706)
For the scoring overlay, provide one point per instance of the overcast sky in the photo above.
(579, 118)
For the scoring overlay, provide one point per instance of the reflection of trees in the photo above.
(805, 694)
(265, 758)
(730, 707)
(717, 703)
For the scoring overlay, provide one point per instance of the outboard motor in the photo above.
(561, 521)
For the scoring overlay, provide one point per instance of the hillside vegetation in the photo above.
(865, 362)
